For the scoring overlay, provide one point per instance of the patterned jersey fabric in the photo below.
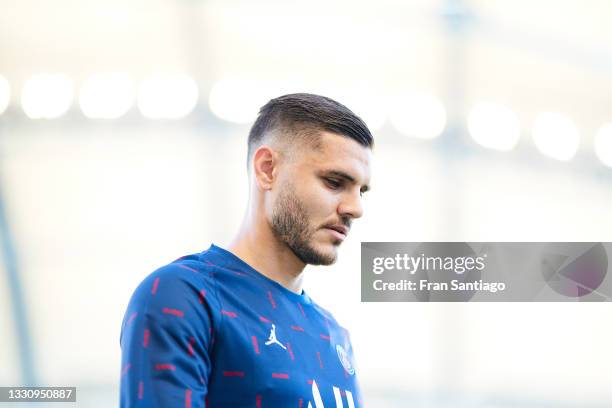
(208, 330)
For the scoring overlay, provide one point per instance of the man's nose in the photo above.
(351, 205)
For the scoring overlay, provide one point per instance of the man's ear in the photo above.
(265, 162)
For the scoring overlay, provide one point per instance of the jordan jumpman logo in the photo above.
(272, 339)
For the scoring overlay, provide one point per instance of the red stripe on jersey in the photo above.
(263, 319)
(310, 382)
(145, 338)
(174, 312)
(188, 268)
(212, 273)
(155, 283)
(230, 314)
(272, 302)
(258, 401)
(233, 373)
(140, 390)
(132, 317)
(255, 344)
(290, 351)
(324, 337)
(160, 367)
(300, 403)
(125, 369)
(280, 375)
(301, 309)
(189, 347)
(320, 361)
(187, 398)
(298, 328)
(202, 295)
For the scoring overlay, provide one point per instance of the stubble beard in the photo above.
(290, 226)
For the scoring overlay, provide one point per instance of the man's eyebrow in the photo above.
(348, 177)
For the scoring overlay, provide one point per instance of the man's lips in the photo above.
(341, 229)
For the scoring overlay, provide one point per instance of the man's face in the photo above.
(320, 193)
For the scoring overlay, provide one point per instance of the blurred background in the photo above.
(123, 131)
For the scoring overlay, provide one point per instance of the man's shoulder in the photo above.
(178, 296)
(184, 268)
(189, 273)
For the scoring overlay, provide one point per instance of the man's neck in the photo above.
(257, 246)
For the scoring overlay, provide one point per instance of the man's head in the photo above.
(309, 158)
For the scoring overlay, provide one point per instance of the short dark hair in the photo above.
(300, 113)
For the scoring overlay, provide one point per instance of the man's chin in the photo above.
(315, 254)
(327, 254)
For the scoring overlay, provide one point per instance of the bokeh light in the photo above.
(107, 95)
(47, 96)
(603, 144)
(237, 100)
(418, 115)
(167, 96)
(555, 135)
(5, 94)
(494, 126)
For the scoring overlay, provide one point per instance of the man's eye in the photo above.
(333, 183)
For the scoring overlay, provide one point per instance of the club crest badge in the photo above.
(344, 359)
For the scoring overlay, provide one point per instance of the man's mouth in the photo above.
(338, 230)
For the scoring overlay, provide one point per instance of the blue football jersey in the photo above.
(208, 330)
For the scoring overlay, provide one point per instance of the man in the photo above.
(233, 327)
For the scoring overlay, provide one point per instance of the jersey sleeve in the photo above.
(166, 339)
